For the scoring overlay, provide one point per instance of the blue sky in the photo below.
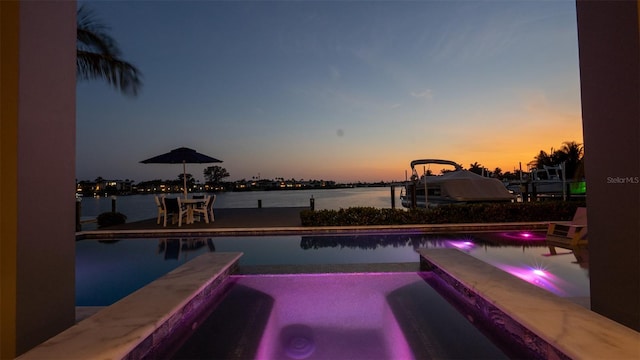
(339, 90)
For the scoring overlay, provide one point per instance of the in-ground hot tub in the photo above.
(335, 316)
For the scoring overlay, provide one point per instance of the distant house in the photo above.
(104, 187)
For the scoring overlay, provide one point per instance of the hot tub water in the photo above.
(336, 316)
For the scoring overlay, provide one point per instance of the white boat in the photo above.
(549, 181)
(453, 187)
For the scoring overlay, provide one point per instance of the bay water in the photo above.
(142, 206)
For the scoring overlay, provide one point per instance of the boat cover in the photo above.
(463, 185)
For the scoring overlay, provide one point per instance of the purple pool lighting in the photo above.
(462, 245)
(539, 277)
(321, 318)
(336, 316)
(524, 236)
(539, 272)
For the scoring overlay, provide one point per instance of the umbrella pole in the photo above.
(184, 177)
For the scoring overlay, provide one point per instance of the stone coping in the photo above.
(569, 329)
(134, 326)
(303, 230)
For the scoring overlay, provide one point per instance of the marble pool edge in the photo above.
(549, 326)
(139, 324)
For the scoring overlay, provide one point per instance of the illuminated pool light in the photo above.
(462, 245)
(524, 236)
(539, 272)
(538, 277)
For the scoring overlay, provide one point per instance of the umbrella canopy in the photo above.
(182, 156)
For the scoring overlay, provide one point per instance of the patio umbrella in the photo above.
(184, 156)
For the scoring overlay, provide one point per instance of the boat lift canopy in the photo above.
(434, 161)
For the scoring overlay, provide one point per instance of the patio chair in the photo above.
(162, 211)
(210, 207)
(571, 236)
(206, 210)
(172, 207)
(183, 211)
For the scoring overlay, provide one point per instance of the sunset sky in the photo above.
(333, 90)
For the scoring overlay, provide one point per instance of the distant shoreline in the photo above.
(112, 192)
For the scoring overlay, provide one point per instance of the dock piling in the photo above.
(393, 196)
(78, 212)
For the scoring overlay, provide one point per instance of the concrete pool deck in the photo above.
(140, 324)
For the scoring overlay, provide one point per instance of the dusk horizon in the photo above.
(434, 170)
(342, 91)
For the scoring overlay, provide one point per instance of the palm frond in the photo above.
(116, 72)
(92, 34)
(97, 56)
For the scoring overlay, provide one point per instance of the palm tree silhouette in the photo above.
(571, 153)
(476, 168)
(98, 56)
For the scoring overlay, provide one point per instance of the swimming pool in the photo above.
(108, 270)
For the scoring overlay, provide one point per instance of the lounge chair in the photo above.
(572, 236)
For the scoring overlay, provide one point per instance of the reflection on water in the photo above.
(374, 240)
(173, 248)
(371, 241)
(105, 272)
(108, 270)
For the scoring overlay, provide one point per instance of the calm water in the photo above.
(141, 207)
(108, 271)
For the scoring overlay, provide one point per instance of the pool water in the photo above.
(108, 270)
(336, 316)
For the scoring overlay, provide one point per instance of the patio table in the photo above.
(191, 203)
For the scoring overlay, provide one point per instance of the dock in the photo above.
(278, 221)
(229, 218)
